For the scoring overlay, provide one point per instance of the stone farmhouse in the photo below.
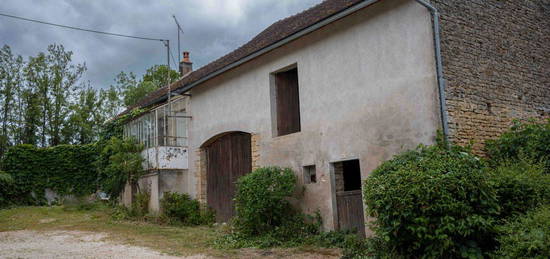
(337, 89)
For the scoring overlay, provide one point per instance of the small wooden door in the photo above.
(349, 201)
(228, 158)
(350, 211)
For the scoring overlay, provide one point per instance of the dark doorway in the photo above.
(349, 202)
(228, 158)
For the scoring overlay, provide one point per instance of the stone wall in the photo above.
(496, 57)
(255, 150)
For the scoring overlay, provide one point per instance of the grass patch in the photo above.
(172, 240)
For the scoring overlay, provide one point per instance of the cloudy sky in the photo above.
(212, 28)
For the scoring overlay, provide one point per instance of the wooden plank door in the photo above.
(228, 158)
(350, 211)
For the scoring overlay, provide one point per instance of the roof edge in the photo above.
(337, 16)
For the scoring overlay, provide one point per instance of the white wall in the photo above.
(367, 91)
(163, 157)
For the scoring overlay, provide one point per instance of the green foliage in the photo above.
(7, 190)
(531, 140)
(179, 209)
(65, 169)
(520, 186)
(527, 236)
(154, 78)
(433, 201)
(140, 205)
(120, 161)
(264, 217)
(260, 200)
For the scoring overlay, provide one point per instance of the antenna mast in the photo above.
(179, 30)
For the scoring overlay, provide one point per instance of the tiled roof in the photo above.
(273, 34)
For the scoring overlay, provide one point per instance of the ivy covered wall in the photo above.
(65, 169)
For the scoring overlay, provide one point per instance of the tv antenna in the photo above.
(179, 30)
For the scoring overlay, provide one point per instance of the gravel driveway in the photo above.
(70, 244)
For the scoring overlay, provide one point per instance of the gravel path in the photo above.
(70, 244)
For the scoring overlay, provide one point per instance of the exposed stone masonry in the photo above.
(496, 58)
(255, 150)
(200, 175)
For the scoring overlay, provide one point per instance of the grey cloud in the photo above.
(212, 29)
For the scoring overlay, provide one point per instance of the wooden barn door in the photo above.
(228, 158)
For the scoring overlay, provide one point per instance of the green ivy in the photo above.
(65, 169)
(119, 162)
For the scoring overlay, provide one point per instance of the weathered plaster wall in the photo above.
(496, 57)
(156, 183)
(165, 157)
(367, 90)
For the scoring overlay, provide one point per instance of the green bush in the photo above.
(261, 200)
(526, 237)
(140, 205)
(520, 186)
(66, 169)
(434, 202)
(7, 190)
(119, 162)
(523, 139)
(264, 217)
(179, 208)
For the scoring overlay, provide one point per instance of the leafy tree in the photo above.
(120, 162)
(10, 76)
(134, 90)
(160, 75)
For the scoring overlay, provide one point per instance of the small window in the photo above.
(287, 102)
(310, 176)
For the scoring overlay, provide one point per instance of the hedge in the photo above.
(65, 169)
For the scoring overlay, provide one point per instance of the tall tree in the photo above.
(63, 81)
(10, 78)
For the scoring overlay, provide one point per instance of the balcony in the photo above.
(165, 157)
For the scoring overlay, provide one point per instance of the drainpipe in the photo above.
(439, 67)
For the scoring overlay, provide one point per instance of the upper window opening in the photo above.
(348, 175)
(287, 102)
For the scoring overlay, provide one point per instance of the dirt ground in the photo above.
(70, 244)
(62, 232)
(81, 244)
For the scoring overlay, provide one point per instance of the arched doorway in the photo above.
(228, 157)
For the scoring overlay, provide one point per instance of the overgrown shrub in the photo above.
(65, 169)
(119, 162)
(260, 200)
(140, 205)
(528, 236)
(432, 202)
(264, 217)
(520, 186)
(529, 139)
(178, 208)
